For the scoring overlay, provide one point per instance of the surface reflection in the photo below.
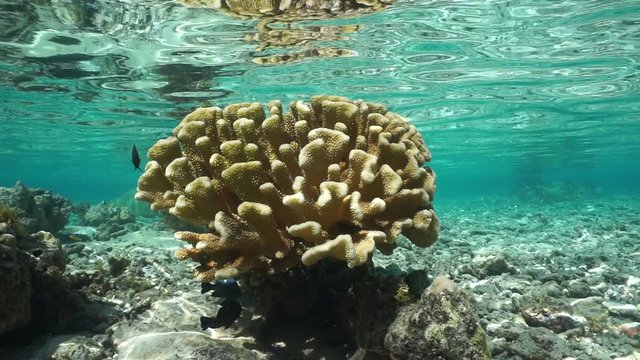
(292, 10)
(280, 35)
(82, 46)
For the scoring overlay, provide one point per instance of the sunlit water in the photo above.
(507, 94)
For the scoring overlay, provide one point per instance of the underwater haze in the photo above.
(507, 94)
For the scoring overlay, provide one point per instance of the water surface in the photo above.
(507, 94)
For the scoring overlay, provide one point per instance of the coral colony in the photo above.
(331, 179)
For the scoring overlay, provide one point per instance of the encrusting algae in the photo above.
(334, 178)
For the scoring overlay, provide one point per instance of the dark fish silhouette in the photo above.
(227, 288)
(227, 314)
(135, 158)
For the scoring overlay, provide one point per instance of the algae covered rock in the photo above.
(31, 265)
(104, 213)
(441, 325)
(110, 221)
(15, 285)
(333, 178)
(31, 270)
(39, 209)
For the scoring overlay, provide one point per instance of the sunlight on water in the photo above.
(506, 93)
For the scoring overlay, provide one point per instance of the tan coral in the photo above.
(332, 178)
(291, 10)
(283, 37)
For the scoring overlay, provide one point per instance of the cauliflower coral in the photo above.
(331, 179)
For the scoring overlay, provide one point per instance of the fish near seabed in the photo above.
(230, 309)
(135, 158)
(227, 315)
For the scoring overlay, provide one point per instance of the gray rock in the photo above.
(558, 322)
(104, 213)
(538, 343)
(615, 277)
(46, 248)
(551, 289)
(537, 272)
(490, 265)
(578, 289)
(627, 311)
(506, 330)
(593, 310)
(181, 345)
(633, 356)
(110, 221)
(40, 209)
(466, 269)
(438, 326)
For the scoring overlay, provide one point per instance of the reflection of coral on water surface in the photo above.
(292, 9)
(275, 29)
(273, 35)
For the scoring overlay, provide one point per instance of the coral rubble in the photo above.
(331, 179)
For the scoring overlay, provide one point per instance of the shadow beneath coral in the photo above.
(313, 338)
(324, 312)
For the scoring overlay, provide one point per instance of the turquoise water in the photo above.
(509, 95)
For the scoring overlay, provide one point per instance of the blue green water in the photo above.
(507, 94)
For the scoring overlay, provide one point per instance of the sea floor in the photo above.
(553, 279)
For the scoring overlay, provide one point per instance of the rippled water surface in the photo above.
(506, 93)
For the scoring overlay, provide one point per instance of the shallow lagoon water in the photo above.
(530, 109)
(506, 93)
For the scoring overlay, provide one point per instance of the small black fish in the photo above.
(135, 158)
(227, 288)
(227, 314)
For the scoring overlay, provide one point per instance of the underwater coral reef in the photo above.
(333, 178)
